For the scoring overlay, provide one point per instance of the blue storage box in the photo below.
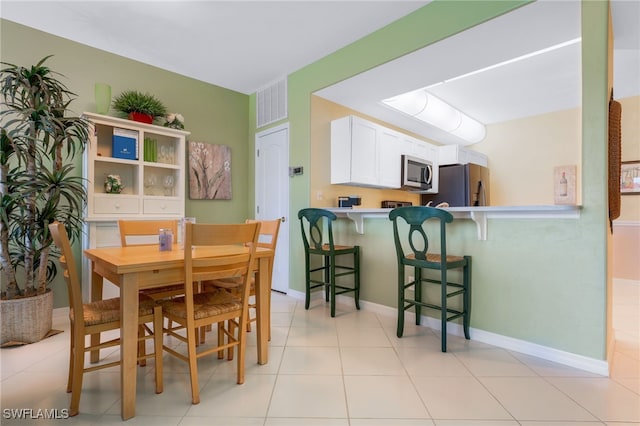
(125, 144)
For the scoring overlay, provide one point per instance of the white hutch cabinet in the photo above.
(154, 181)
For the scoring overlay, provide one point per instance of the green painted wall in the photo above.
(212, 114)
(542, 281)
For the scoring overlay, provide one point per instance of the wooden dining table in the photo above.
(135, 268)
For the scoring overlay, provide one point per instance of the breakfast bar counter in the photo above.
(479, 215)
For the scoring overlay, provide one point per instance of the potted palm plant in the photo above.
(38, 185)
(139, 106)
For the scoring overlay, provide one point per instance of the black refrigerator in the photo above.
(461, 185)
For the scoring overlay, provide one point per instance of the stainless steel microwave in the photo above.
(417, 174)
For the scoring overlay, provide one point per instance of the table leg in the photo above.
(262, 307)
(271, 260)
(128, 344)
(96, 294)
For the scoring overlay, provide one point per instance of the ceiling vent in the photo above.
(271, 103)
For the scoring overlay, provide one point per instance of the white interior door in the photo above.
(272, 194)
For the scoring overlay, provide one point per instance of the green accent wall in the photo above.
(212, 114)
(541, 281)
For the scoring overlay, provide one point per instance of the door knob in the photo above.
(283, 219)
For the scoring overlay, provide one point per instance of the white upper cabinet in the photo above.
(389, 164)
(356, 155)
(420, 149)
(456, 154)
(368, 154)
(364, 155)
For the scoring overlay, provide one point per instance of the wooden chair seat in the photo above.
(436, 258)
(336, 247)
(108, 310)
(206, 304)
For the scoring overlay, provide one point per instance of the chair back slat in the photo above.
(312, 222)
(70, 272)
(220, 267)
(144, 232)
(238, 264)
(269, 230)
(418, 241)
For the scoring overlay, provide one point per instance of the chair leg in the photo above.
(142, 351)
(242, 342)
(417, 292)
(332, 275)
(328, 276)
(356, 278)
(157, 343)
(307, 281)
(220, 339)
(192, 337)
(71, 363)
(231, 324)
(443, 308)
(202, 331)
(466, 296)
(400, 329)
(78, 371)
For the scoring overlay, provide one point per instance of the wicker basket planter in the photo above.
(26, 320)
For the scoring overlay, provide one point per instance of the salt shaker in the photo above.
(166, 239)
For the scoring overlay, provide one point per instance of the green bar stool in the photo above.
(312, 223)
(419, 258)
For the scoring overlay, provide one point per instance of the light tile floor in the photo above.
(350, 370)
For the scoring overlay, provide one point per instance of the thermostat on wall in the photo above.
(295, 171)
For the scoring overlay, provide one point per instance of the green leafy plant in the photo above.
(134, 101)
(38, 143)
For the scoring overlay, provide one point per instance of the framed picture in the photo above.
(630, 177)
(564, 185)
(209, 171)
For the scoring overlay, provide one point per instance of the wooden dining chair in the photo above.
(268, 238)
(97, 317)
(145, 232)
(228, 310)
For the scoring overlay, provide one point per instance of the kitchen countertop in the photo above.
(478, 214)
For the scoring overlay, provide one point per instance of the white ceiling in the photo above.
(239, 45)
(540, 84)
(245, 45)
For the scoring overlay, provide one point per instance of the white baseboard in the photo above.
(591, 365)
(622, 223)
(623, 281)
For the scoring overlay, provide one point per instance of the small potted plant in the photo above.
(174, 121)
(138, 106)
(113, 184)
